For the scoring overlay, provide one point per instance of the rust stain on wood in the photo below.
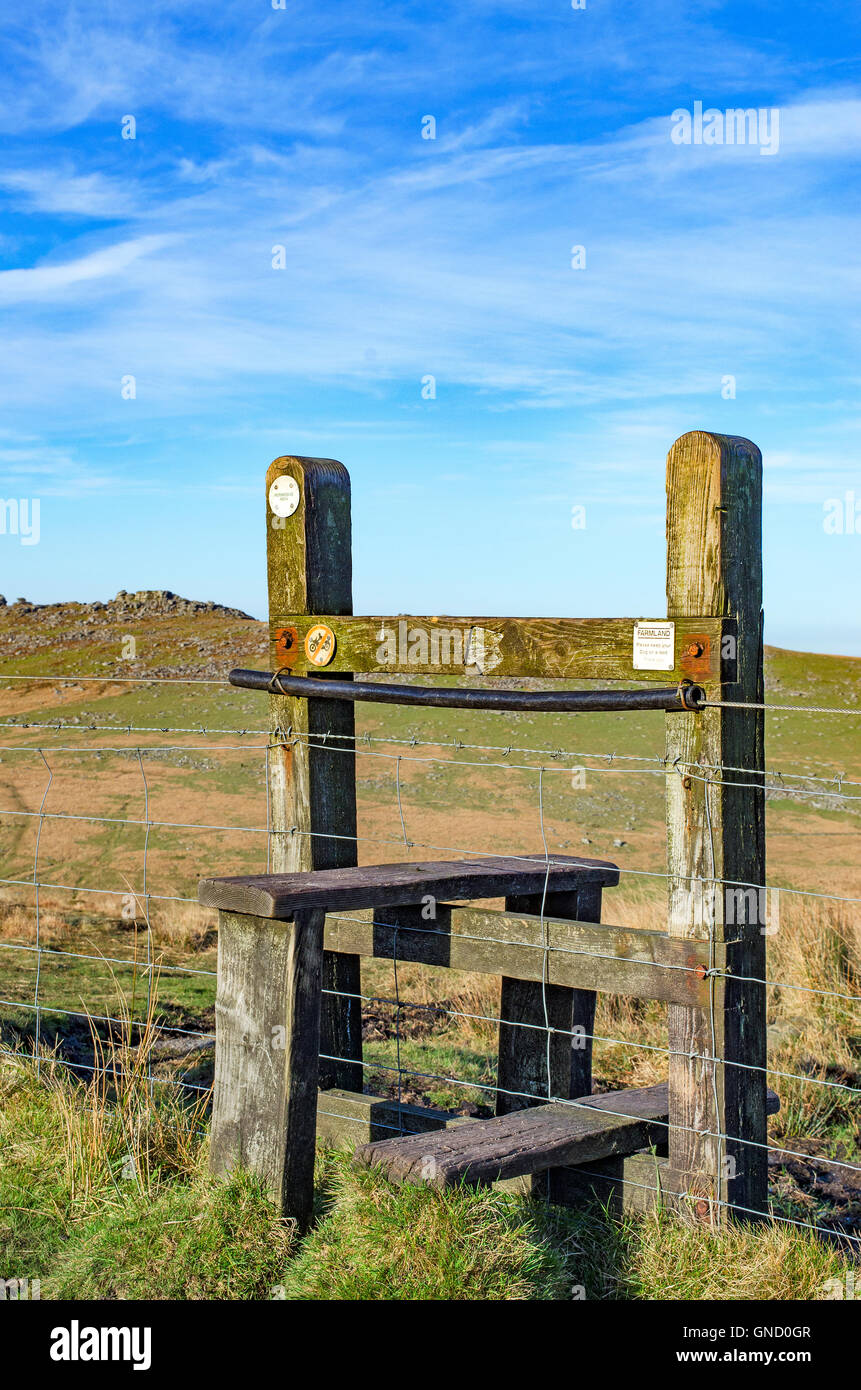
(286, 645)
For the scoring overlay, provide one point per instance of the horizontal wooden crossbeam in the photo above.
(354, 1117)
(581, 955)
(548, 648)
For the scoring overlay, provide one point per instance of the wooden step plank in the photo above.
(527, 1141)
(280, 895)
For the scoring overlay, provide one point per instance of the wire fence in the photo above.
(398, 1065)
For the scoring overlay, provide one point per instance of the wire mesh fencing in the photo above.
(97, 847)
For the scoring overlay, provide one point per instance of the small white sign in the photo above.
(284, 495)
(654, 646)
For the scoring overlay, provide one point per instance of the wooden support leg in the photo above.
(522, 1069)
(267, 1043)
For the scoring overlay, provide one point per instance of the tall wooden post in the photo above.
(312, 785)
(716, 833)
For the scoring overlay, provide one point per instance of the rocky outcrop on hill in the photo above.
(145, 603)
(151, 633)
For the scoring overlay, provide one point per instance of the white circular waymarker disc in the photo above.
(284, 495)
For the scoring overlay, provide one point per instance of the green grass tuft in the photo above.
(377, 1242)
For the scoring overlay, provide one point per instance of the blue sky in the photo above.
(407, 257)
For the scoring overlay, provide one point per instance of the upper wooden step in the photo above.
(482, 1152)
(382, 885)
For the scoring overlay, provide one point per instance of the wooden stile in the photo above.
(270, 963)
(291, 941)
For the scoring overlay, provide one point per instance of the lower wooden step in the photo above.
(528, 1141)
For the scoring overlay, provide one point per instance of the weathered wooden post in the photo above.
(312, 785)
(274, 1016)
(266, 1057)
(716, 833)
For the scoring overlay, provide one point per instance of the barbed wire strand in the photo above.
(412, 740)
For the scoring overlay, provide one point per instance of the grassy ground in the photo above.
(104, 1195)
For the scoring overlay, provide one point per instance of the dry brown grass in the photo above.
(19, 924)
(181, 928)
(468, 1002)
(672, 1260)
(111, 1121)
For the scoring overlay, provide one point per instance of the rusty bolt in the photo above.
(702, 1209)
(286, 640)
(687, 783)
(694, 649)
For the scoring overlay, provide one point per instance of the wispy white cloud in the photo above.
(53, 281)
(91, 195)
